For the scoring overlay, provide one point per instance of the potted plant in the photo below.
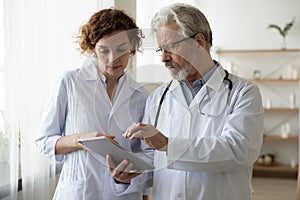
(283, 31)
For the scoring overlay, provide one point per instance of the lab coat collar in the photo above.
(213, 85)
(174, 85)
(216, 79)
(128, 88)
(88, 71)
(214, 82)
(176, 90)
(132, 84)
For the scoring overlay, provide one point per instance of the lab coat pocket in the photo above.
(69, 190)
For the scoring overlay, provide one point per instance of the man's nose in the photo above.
(166, 56)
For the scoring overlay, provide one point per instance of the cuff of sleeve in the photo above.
(58, 158)
(119, 188)
(147, 192)
(177, 147)
(118, 182)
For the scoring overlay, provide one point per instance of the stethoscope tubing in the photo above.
(160, 103)
(226, 78)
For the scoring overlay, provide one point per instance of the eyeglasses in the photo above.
(170, 48)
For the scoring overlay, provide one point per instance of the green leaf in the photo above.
(278, 28)
(288, 26)
(282, 31)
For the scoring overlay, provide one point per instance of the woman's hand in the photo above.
(123, 172)
(69, 143)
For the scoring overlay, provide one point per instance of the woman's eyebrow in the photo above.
(101, 46)
(104, 46)
(122, 44)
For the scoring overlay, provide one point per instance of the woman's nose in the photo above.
(113, 56)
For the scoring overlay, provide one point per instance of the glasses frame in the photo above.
(170, 47)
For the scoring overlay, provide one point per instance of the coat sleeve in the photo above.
(140, 183)
(236, 146)
(53, 122)
(143, 182)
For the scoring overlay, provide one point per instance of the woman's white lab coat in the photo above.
(213, 142)
(80, 104)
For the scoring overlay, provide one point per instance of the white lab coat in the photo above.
(80, 104)
(208, 158)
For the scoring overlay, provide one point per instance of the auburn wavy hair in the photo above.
(105, 22)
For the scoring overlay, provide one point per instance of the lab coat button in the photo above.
(180, 195)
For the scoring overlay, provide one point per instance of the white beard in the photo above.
(180, 75)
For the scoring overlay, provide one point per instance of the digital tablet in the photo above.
(103, 146)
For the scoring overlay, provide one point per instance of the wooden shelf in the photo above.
(274, 80)
(281, 109)
(281, 57)
(277, 170)
(275, 138)
(256, 50)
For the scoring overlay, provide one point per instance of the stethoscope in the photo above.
(225, 79)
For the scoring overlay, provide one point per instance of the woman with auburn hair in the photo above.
(98, 99)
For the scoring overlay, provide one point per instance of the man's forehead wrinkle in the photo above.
(170, 32)
(165, 35)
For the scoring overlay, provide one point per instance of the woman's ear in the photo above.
(93, 56)
(132, 49)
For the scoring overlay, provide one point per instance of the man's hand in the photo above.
(123, 172)
(148, 134)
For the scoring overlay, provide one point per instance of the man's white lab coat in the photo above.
(213, 142)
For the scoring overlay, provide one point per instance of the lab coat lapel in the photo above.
(88, 72)
(213, 85)
(179, 124)
(128, 88)
(216, 80)
(177, 93)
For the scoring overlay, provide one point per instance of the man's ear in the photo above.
(200, 39)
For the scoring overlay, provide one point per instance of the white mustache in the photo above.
(172, 64)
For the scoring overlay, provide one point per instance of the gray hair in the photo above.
(189, 19)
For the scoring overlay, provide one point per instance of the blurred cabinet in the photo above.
(276, 73)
